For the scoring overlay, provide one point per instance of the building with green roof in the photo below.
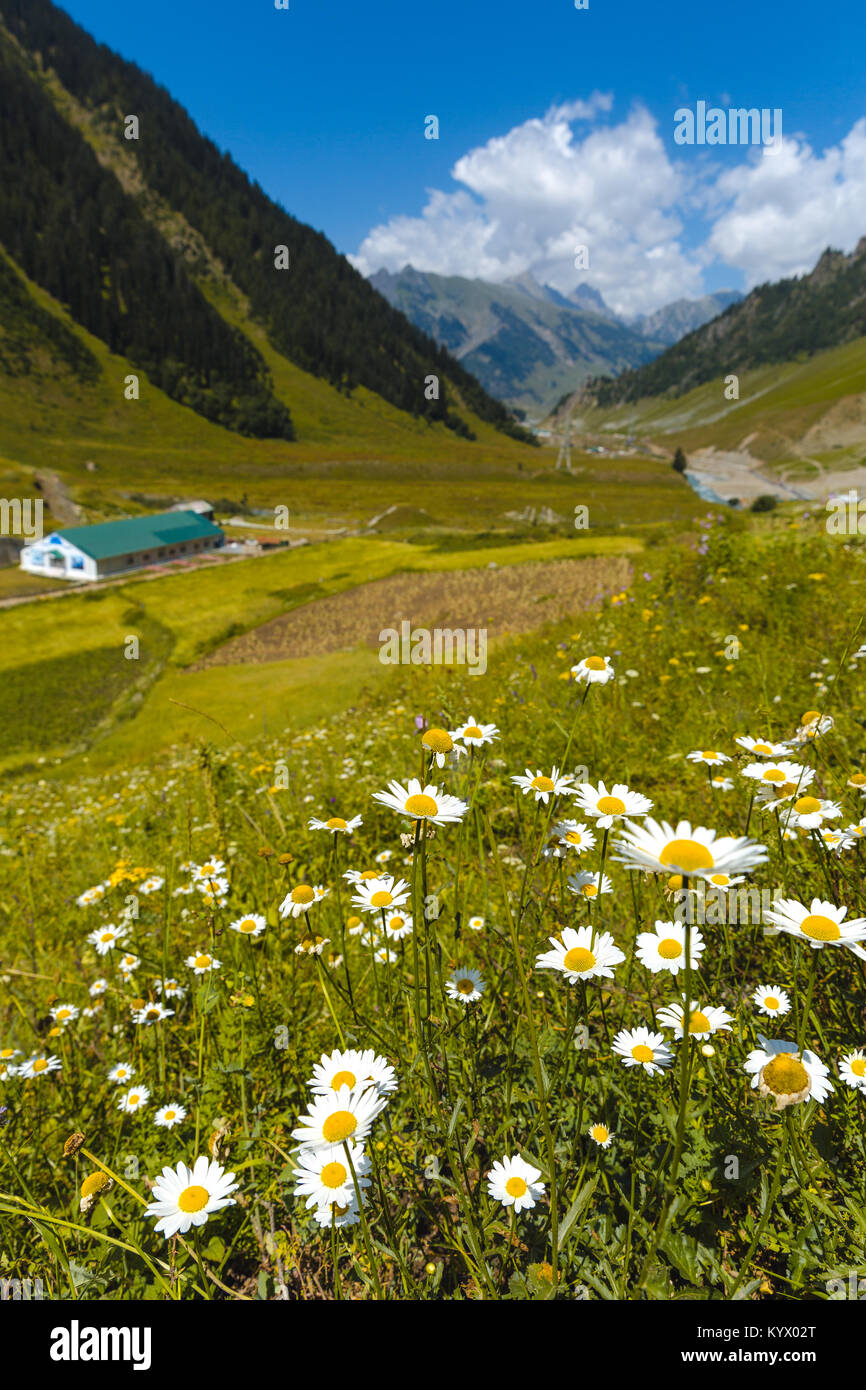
(115, 547)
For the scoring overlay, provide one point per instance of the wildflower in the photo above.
(852, 1069)
(169, 1116)
(601, 1135)
(398, 927)
(94, 1186)
(703, 1022)
(572, 834)
(312, 945)
(722, 784)
(822, 924)
(709, 756)
(638, 1047)
(348, 1113)
(439, 742)
(544, 787)
(336, 824)
(333, 1215)
(38, 1065)
(128, 964)
(770, 999)
(204, 873)
(593, 670)
(665, 947)
(426, 804)
(475, 923)
(91, 895)
(515, 1183)
(105, 938)
(381, 894)
(661, 848)
(202, 963)
(64, 1013)
(298, 901)
(475, 735)
(763, 747)
(610, 806)
(135, 1099)
(121, 1073)
(465, 985)
(353, 1068)
(780, 1071)
(589, 885)
(325, 1178)
(186, 1197)
(253, 924)
(809, 812)
(383, 955)
(579, 957)
(151, 1013)
(97, 988)
(170, 988)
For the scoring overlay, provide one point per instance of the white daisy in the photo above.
(98, 987)
(397, 926)
(573, 835)
(39, 1065)
(709, 756)
(593, 670)
(337, 1216)
(336, 825)
(324, 1176)
(202, 963)
(151, 884)
(600, 1134)
(664, 948)
(121, 1073)
(134, 1099)
(703, 1022)
(186, 1197)
(383, 894)
(722, 784)
(663, 848)
(128, 964)
(105, 938)
(837, 841)
(465, 985)
(723, 882)
(298, 901)
(91, 895)
(610, 806)
(543, 786)
(778, 775)
(253, 924)
(475, 735)
(383, 955)
(779, 1071)
(809, 812)
(475, 923)
(422, 803)
(211, 869)
(763, 747)
(514, 1183)
(338, 1116)
(852, 1069)
(312, 945)
(63, 1014)
(440, 743)
(770, 999)
(579, 957)
(813, 725)
(170, 988)
(151, 1013)
(638, 1047)
(169, 1116)
(589, 885)
(822, 924)
(353, 1068)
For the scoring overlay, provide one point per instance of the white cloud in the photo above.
(529, 198)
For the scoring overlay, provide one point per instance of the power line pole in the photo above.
(563, 459)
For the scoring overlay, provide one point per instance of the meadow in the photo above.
(517, 1032)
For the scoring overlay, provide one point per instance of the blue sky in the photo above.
(324, 104)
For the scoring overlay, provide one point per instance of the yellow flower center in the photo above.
(396, 923)
(193, 1198)
(515, 1187)
(600, 1133)
(541, 784)
(421, 806)
(669, 949)
(333, 1175)
(688, 855)
(248, 924)
(806, 805)
(858, 1066)
(94, 1182)
(170, 1114)
(709, 753)
(40, 1064)
(773, 774)
(820, 928)
(61, 1014)
(473, 731)
(720, 880)
(202, 962)
(382, 899)
(641, 1053)
(858, 779)
(574, 837)
(762, 748)
(611, 806)
(336, 823)
(699, 1023)
(343, 1078)
(810, 716)
(152, 1012)
(339, 1126)
(6, 1053)
(438, 740)
(771, 1002)
(466, 986)
(785, 1075)
(579, 959)
(107, 936)
(595, 663)
(590, 890)
(303, 893)
(133, 1098)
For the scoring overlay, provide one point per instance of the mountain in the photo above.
(156, 243)
(526, 343)
(775, 323)
(673, 321)
(529, 344)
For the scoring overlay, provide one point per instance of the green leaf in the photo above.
(576, 1209)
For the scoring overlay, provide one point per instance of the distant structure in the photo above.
(563, 458)
(116, 547)
(199, 507)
